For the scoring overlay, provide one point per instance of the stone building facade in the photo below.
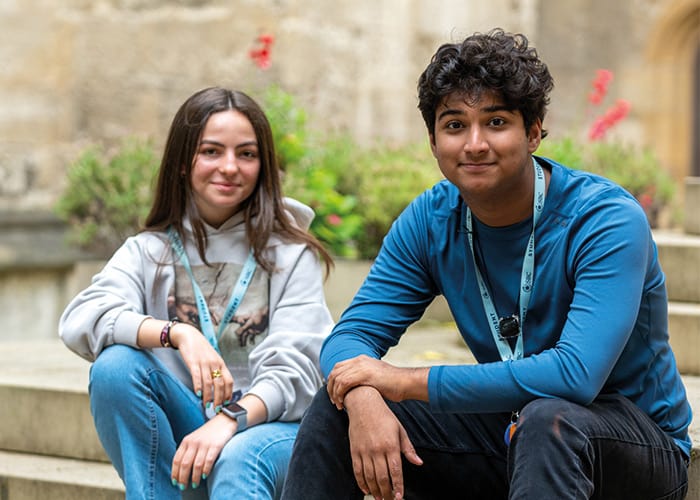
(79, 71)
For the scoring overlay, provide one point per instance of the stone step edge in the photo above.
(89, 474)
(94, 476)
(30, 423)
(672, 237)
(684, 308)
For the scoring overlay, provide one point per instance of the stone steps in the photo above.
(679, 254)
(48, 445)
(684, 328)
(32, 476)
(49, 448)
(50, 411)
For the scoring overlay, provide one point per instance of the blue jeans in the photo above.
(607, 450)
(142, 412)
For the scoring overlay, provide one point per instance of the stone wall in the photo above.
(78, 71)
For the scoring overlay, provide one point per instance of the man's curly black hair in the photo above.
(497, 62)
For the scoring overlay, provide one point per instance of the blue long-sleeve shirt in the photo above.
(597, 320)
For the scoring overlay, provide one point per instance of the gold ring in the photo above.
(216, 373)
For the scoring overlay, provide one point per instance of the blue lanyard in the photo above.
(239, 289)
(526, 276)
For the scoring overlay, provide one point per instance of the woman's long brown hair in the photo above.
(263, 210)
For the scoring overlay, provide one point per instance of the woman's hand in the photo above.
(195, 457)
(211, 379)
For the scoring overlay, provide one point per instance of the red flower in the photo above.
(645, 200)
(261, 55)
(334, 219)
(267, 39)
(612, 116)
(600, 86)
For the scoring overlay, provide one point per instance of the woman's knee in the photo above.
(256, 459)
(261, 443)
(113, 370)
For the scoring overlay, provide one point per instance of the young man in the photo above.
(554, 282)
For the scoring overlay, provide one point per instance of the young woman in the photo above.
(205, 328)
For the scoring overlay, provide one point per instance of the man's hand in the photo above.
(392, 382)
(377, 440)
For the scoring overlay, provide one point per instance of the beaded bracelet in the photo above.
(165, 334)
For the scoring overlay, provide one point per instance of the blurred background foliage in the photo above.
(356, 191)
(635, 169)
(108, 193)
(598, 151)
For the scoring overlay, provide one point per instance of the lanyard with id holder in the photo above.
(239, 290)
(507, 328)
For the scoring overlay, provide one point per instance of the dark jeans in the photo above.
(608, 450)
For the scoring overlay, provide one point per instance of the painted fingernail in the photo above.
(227, 402)
(217, 409)
(208, 404)
(204, 476)
(181, 486)
(194, 485)
(199, 394)
(174, 481)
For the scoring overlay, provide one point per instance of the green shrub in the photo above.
(288, 122)
(387, 179)
(358, 192)
(317, 181)
(310, 174)
(635, 169)
(108, 194)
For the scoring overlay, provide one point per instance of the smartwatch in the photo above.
(238, 413)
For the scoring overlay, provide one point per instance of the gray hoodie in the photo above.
(279, 363)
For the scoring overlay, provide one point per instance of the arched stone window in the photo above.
(672, 121)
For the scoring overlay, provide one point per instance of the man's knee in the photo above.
(548, 417)
(322, 414)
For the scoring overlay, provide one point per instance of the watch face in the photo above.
(235, 409)
(238, 413)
